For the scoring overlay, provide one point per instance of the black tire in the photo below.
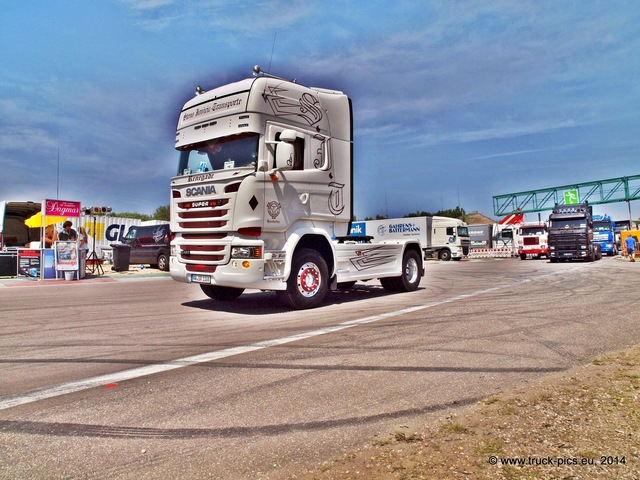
(444, 255)
(523, 256)
(163, 262)
(308, 281)
(388, 284)
(411, 272)
(222, 294)
(409, 280)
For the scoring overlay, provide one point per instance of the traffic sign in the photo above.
(571, 197)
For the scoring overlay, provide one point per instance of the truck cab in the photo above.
(571, 233)
(262, 197)
(533, 240)
(604, 234)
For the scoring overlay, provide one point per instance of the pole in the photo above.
(58, 177)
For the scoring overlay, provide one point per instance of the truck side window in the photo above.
(298, 152)
(449, 230)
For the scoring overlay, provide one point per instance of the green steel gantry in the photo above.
(622, 189)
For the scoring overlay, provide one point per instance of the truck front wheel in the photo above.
(222, 294)
(308, 282)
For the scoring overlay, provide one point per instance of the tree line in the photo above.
(161, 213)
(457, 212)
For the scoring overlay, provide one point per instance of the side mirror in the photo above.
(288, 136)
(284, 156)
(285, 150)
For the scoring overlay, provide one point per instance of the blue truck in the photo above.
(604, 234)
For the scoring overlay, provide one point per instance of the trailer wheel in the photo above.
(222, 294)
(308, 282)
(445, 254)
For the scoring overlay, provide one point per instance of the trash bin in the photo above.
(121, 256)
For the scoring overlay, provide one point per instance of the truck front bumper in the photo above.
(238, 273)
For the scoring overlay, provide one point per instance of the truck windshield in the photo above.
(602, 226)
(532, 231)
(463, 231)
(569, 223)
(226, 152)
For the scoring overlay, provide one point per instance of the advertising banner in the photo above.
(29, 263)
(66, 256)
(62, 208)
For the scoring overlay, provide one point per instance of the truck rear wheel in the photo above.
(308, 282)
(410, 278)
(222, 294)
(411, 274)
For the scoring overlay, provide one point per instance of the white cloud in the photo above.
(147, 4)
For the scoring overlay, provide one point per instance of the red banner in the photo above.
(62, 208)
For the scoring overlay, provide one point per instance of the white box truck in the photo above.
(440, 237)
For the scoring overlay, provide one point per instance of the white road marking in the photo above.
(101, 380)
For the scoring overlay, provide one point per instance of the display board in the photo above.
(66, 256)
(29, 263)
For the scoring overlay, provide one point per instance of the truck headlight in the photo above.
(246, 252)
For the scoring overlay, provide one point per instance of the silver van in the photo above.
(149, 245)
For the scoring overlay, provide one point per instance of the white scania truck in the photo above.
(263, 196)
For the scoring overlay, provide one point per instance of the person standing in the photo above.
(630, 243)
(83, 245)
(68, 234)
(50, 236)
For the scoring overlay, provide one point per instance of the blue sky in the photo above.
(454, 101)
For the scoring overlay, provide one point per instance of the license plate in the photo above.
(201, 278)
